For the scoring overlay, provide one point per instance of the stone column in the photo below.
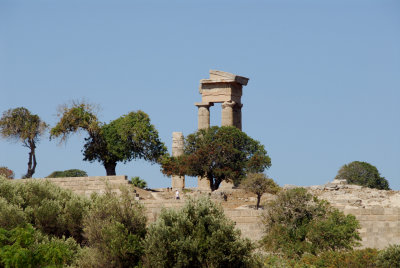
(178, 182)
(204, 122)
(227, 113)
(204, 114)
(237, 115)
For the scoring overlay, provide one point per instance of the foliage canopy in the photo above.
(50, 209)
(218, 154)
(114, 228)
(364, 174)
(259, 184)
(129, 137)
(68, 173)
(198, 235)
(138, 182)
(19, 124)
(297, 223)
(6, 172)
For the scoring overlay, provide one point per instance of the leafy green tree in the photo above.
(198, 235)
(364, 174)
(68, 173)
(138, 182)
(114, 228)
(259, 184)
(129, 137)
(27, 247)
(6, 172)
(20, 124)
(297, 223)
(218, 154)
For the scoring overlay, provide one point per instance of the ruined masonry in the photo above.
(221, 87)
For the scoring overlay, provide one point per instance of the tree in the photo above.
(68, 173)
(27, 247)
(364, 174)
(297, 223)
(138, 182)
(115, 227)
(6, 172)
(218, 154)
(198, 235)
(49, 208)
(259, 183)
(20, 124)
(129, 137)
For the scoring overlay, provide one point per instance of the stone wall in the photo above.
(86, 185)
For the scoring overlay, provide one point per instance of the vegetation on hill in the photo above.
(138, 182)
(259, 184)
(218, 154)
(198, 235)
(364, 174)
(20, 125)
(68, 173)
(42, 225)
(128, 137)
(6, 172)
(297, 223)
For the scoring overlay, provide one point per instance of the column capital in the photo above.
(204, 104)
(230, 104)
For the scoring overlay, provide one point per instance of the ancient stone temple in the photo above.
(221, 87)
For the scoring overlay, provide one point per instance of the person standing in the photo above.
(177, 195)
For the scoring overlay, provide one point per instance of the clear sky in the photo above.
(324, 85)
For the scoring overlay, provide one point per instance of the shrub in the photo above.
(259, 184)
(6, 172)
(68, 173)
(198, 235)
(114, 228)
(138, 182)
(362, 258)
(27, 247)
(389, 257)
(297, 223)
(49, 208)
(364, 174)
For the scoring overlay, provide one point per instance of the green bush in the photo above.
(138, 182)
(389, 257)
(68, 173)
(6, 172)
(27, 247)
(297, 223)
(364, 174)
(198, 235)
(49, 208)
(114, 228)
(362, 258)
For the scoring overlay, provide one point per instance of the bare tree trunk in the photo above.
(110, 168)
(32, 160)
(214, 183)
(258, 200)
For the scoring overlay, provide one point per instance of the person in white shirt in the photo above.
(177, 195)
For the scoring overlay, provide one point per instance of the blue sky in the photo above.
(324, 85)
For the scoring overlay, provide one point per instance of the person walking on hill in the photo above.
(177, 195)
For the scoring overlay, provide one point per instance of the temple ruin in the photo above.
(221, 87)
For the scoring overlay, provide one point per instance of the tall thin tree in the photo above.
(20, 125)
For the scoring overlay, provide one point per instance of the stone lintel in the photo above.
(227, 77)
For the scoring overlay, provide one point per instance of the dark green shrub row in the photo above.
(68, 173)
